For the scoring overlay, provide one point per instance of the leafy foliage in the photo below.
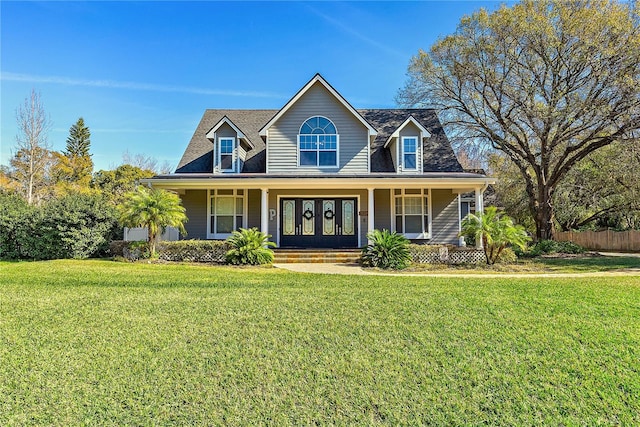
(496, 230)
(550, 247)
(73, 226)
(119, 181)
(16, 226)
(78, 225)
(250, 247)
(386, 250)
(155, 209)
(75, 165)
(546, 82)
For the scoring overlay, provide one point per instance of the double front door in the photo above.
(318, 223)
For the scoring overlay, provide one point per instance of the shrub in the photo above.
(78, 226)
(507, 256)
(73, 226)
(194, 251)
(16, 218)
(117, 247)
(250, 247)
(137, 250)
(496, 230)
(550, 247)
(386, 250)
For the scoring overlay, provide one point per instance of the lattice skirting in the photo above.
(444, 255)
(193, 256)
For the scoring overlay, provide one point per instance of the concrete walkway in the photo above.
(356, 269)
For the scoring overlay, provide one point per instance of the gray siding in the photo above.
(195, 202)
(444, 208)
(382, 219)
(282, 153)
(253, 209)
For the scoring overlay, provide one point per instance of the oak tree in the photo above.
(545, 82)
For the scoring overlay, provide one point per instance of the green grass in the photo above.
(554, 264)
(106, 343)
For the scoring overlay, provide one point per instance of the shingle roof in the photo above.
(438, 154)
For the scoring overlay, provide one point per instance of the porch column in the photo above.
(264, 210)
(479, 209)
(370, 215)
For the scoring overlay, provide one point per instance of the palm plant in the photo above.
(154, 209)
(496, 230)
(250, 246)
(386, 250)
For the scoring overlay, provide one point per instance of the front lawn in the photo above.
(100, 342)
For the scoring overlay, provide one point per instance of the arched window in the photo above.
(318, 143)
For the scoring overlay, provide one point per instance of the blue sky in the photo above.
(141, 74)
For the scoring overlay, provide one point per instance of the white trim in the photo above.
(392, 180)
(317, 165)
(368, 152)
(301, 92)
(418, 160)
(245, 214)
(234, 154)
(316, 196)
(264, 210)
(424, 132)
(211, 133)
(426, 192)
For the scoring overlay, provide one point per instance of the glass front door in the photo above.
(318, 223)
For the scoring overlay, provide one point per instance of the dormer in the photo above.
(405, 146)
(230, 146)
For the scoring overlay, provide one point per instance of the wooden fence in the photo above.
(623, 241)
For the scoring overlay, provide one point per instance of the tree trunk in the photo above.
(542, 210)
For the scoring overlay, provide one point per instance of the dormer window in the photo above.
(227, 150)
(409, 152)
(318, 143)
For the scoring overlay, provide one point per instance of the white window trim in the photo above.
(234, 154)
(416, 153)
(317, 165)
(425, 192)
(318, 150)
(245, 203)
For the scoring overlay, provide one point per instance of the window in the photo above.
(412, 212)
(226, 154)
(318, 143)
(409, 153)
(226, 212)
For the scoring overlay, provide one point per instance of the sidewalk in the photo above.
(356, 269)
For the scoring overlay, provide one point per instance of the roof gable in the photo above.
(317, 79)
(227, 120)
(410, 119)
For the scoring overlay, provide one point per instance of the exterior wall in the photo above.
(195, 202)
(444, 208)
(253, 209)
(282, 144)
(362, 206)
(382, 218)
(224, 131)
(409, 130)
(393, 150)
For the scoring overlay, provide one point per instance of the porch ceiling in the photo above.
(457, 181)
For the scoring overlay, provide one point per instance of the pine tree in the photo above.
(79, 140)
(75, 165)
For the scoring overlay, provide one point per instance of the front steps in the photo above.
(328, 256)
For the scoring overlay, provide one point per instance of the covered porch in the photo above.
(325, 211)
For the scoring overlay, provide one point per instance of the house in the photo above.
(319, 173)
